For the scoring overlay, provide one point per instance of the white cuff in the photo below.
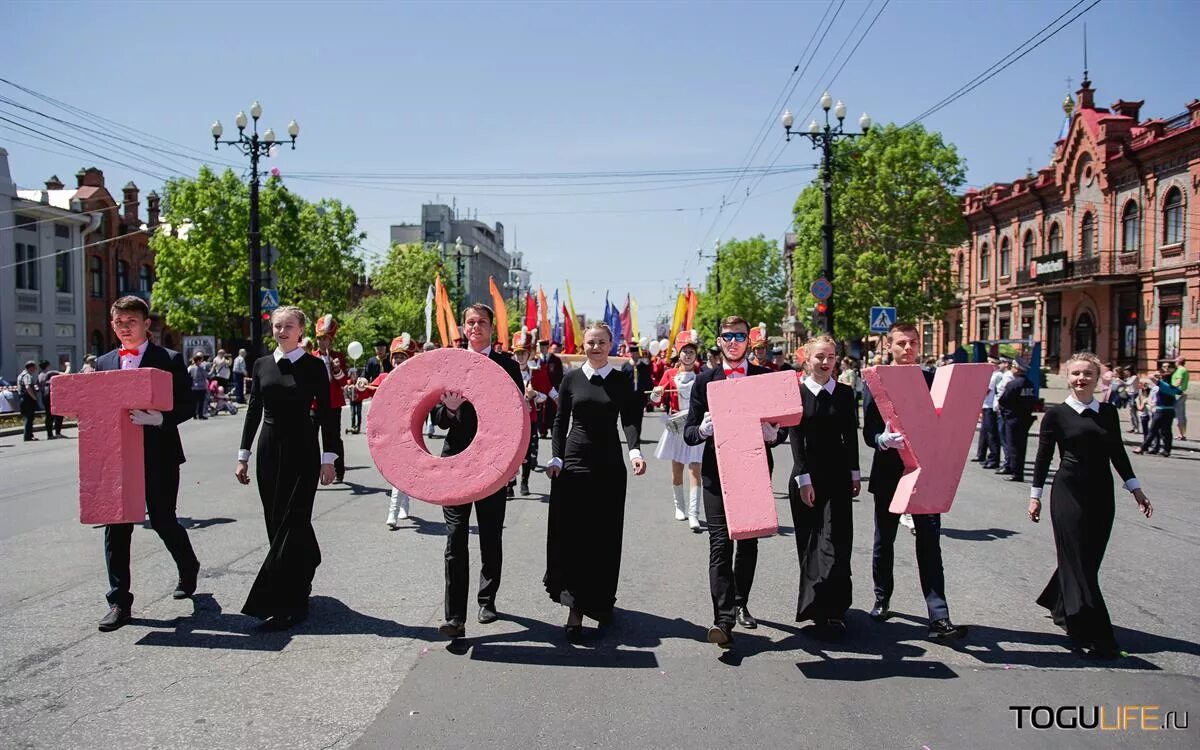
(328, 458)
(1133, 484)
(1035, 493)
(243, 455)
(555, 463)
(554, 393)
(636, 453)
(540, 398)
(803, 480)
(855, 475)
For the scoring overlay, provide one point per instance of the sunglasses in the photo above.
(737, 336)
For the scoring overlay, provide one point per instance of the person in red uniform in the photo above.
(539, 393)
(759, 347)
(401, 348)
(553, 365)
(335, 367)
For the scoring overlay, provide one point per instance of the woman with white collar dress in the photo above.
(284, 389)
(824, 481)
(587, 491)
(1087, 434)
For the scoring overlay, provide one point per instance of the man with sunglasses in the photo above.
(730, 564)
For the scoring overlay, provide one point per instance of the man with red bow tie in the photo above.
(730, 564)
(335, 367)
(130, 320)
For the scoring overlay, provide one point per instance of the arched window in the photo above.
(1027, 249)
(1005, 259)
(985, 257)
(122, 277)
(1054, 241)
(145, 279)
(1131, 228)
(1173, 217)
(1087, 235)
(96, 271)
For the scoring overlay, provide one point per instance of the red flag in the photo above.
(543, 316)
(530, 312)
(568, 332)
(627, 323)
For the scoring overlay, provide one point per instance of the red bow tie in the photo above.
(128, 352)
(740, 369)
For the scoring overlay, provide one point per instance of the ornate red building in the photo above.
(1098, 251)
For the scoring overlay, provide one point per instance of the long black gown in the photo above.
(587, 499)
(824, 446)
(1081, 512)
(287, 467)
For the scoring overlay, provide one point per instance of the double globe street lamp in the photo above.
(824, 138)
(254, 146)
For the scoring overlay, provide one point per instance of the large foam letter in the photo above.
(112, 464)
(398, 414)
(738, 408)
(937, 424)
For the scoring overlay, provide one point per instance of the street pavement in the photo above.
(368, 669)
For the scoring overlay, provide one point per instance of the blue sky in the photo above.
(577, 87)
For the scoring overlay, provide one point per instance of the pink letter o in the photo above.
(398, 412)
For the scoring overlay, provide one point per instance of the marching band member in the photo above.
(538, 392)
(675, 386)
(401, 348)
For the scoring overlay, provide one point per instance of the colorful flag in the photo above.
(530, 312)
(627, 323)
(429, 314)
(678, 318)
(441, 316)
(568, 332)
(501, 313)
(543, 316)
(613, 319)
(693, 301)
(572, 320)
(448, 314)
(556, 334)
(633, 323)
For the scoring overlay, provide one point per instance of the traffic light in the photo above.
(818, 317)
(266, 315)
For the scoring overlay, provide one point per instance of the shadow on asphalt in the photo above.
(978, 535)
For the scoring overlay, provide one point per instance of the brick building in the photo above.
(1098, 251)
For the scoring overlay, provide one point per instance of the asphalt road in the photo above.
(368, 669)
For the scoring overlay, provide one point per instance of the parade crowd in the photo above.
(293, 432)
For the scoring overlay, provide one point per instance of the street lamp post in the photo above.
(461, 251)
(824, 139)
(253, 146)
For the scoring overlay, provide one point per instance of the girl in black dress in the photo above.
(824, 481)
(587, 491)
(1088, 436)
(285, 387)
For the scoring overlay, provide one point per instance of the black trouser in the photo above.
(339, 464)
(356, 415)
(162, 491)
(730, 564)
(201, 397)
(546, 417)
(1005, 463)
(28, 409)
(929, 556)
(1017, 432)
(53, 423)
(531, 455)
(1159, 436)
(490, 519)
(989, 438)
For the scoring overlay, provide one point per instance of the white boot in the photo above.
(677, 490)
(694, 510)
(401, 505)
(394, 509)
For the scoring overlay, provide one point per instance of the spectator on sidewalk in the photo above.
(199, 378)
(1143, 406)
(53, 423)
(239, 377)
(89, 364)
(27, 385)
(1180, 379)
(1164, 414)
(220, 369)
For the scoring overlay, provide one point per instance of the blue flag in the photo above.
(556, 330)
(613, 319)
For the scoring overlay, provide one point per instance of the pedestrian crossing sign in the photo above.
(270, 299)
(882, 319)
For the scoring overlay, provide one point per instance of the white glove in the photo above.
(890, 441)
(146, 417)
(706, 426)
(770, 432)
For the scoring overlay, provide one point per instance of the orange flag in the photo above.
(544, 322)
(448, 311)
(439, 293)
(501, 313)
(693, 301)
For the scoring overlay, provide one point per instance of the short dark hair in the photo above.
(904, 325)
(130, 303)
(732, 321)
(44, 364)
(482, 309)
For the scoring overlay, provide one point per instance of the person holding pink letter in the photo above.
(824, 482)
(1087, 434)
(886, 469)
(284, 388)
(130, 320)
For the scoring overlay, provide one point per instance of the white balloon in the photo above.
(354, 349)
(664, 345)
(654, 349)
(644, 342)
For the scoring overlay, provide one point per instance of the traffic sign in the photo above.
(882, 319)
(270, 299)
(821, 289)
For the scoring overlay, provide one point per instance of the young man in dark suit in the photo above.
(730, 564)
(457, 416)
(130, 320)
(886, 469)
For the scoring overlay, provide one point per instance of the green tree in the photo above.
(746, 279)
(396, 303)
(202, 265)
(895, 213)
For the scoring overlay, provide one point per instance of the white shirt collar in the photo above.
(141, 349)
(603, 372)
(1078, 406)
(486, 352)
(816, 388)
(292, 356)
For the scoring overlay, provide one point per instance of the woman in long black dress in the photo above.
(587, 492)
(824, 481)
(285, 388)
(1088, 436)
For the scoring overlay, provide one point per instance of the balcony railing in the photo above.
(1085, 267)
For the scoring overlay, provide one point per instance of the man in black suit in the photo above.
(1016, 407)
(886, 470)
(730, 564)
(130, 320)
(554, 366)
(457, 416)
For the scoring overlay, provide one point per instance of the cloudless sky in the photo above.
(460, 87)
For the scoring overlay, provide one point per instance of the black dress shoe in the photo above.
(280, 623)
(524, 489)
(453, 630)
(880, 611)
(1003, 471)
(834, 627)
(989, 466)
(745, 619)
(721, 635)
(186, 585)
(944, 630)
(574, 633)
(1015, 478)
(1102, 652)
(976, 460)
(487, 614)
(117, 617)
